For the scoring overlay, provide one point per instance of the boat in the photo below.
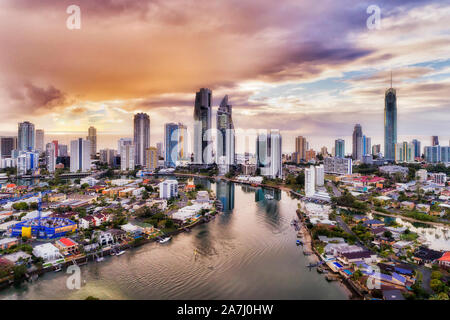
(100, 259)
(57, 269)
(120, 253)
(268, 197)
(298, 242)
(164, 240)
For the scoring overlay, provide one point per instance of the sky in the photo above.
(311, 68)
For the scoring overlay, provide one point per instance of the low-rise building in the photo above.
(67, 246)
(47, 251)
(7, 243)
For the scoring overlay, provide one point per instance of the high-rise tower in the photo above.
(390, 123)
(141, 137)
(202, 127)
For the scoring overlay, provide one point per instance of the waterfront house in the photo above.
(47, 251)
(18, 258)
(352, 257)
(118, 235)
(104, 238)
(67, 246)
(395, 280)
(7, 243)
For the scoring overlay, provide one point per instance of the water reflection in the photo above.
(225, 194)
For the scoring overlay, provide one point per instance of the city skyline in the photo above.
(317, 87)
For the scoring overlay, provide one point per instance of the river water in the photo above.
(247, 252)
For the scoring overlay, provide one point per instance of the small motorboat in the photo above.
(298, 242)
(57, 269)
(100, 259)
(164, 240)
(268, 197)
(120, 253)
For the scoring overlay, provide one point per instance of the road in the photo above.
(347, 229)
(336, 191)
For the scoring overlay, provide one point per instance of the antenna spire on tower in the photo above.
(391, 78)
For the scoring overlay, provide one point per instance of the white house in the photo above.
(47, 251)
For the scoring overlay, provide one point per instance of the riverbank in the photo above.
(315, 257)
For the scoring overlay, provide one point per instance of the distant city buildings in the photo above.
(417, 148)
(434, 141)
(310, 155)
(339, 148)
(404, 152)
(80, 155)
(367, 145)
(92, 137)
(390, 123)
(152, 159)
(202, 127)
(392, 170)
(26, 136)
(436, 154)
(27, 161)
(439, 178)
(50, 157)
(122, 142)
(269, 155)
(108, 156)
(159, 148)
(40, 140)
(300, 148)
(175, 143)
(127, 157)
(319, 175)
(141, 139)
(337, 165)
(61, 149)
(7, 145)
(421, 175)
(376, 149)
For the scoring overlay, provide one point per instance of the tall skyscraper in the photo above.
(26, 136)
(80, 155)
(357, 152)
(7, 145)
(225, 151)
(319, 175)
(202, 127)
(417, 149)
(92, 137)
(127, 157)
(171, 138)
(141, 137)
(50, 156)
(300, 148)
(152, 158)
(339, 148)
(434, 141)
(269, 154)
(40, 140)
(390, 123)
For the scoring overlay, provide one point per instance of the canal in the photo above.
(247, 252)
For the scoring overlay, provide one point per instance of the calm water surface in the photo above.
(247, 252)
